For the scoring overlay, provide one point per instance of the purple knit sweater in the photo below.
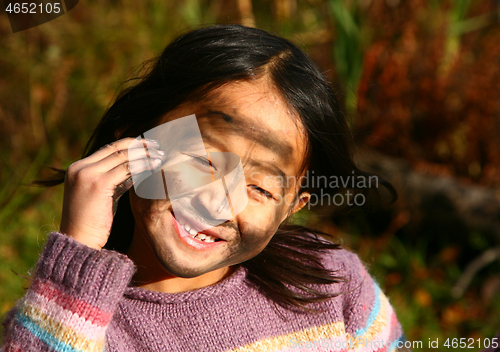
(80, 300)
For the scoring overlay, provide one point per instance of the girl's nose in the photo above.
(211, 202)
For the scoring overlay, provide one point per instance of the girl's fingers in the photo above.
(140, 165)
(128, 155)
(120, 175)
(116, 147)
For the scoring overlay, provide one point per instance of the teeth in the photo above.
(209, 238)
(186, 227)
(205, 238)
(199, 236)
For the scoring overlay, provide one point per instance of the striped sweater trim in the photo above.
(373, 337)
(63, 322)
(69, 302)
(374, 313)
(70, 318)
(58, 341)
(55, 334)
(333, 331)
(380, 322)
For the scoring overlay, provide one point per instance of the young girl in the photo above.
(128, 273)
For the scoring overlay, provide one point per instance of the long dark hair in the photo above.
(190, 68)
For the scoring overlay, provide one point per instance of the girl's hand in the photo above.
(94, 184)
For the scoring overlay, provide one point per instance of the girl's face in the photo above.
(251, 120)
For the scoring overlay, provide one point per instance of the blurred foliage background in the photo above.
(419, 81)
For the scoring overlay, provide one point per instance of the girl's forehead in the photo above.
(249, 113)
(255, 108)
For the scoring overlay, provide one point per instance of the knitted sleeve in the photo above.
(70, 301)
(370, 321)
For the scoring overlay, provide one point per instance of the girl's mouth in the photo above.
(193, 238)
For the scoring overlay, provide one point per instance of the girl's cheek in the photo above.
(258, 227)
(150, 210)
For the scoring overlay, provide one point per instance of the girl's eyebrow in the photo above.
(240, 125)
(224, 116)
(269, 168)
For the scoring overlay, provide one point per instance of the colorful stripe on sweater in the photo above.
(45, 307)
(84, 328)
(373, 337)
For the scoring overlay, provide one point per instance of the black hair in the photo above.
(191, 67)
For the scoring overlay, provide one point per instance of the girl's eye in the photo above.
(262, 191)
(203, 162)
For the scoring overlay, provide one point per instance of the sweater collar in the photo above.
(233, 283)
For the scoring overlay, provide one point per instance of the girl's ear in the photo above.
(299, 204)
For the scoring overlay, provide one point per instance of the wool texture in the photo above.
(81, 299)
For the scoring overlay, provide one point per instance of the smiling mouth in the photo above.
(202, 236)
(198, 235)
